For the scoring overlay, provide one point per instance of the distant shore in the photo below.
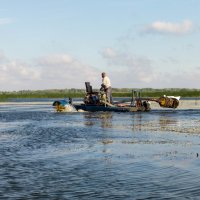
(116, 92)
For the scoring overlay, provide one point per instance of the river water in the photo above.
(141, 155)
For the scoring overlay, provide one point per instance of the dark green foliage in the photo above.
(116, 92)
(150, 92)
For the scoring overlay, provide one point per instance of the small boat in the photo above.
(97, 101)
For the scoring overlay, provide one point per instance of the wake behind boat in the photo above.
(97, 101)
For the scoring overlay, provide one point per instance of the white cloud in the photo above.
(48, 72)
(108, 53)
(128, 70)
(17, 75)
(2, 57)
(58, 59)
(21, 70)
(137, 72)
(5, 21)
(179, 80)
(170, 28)
(64, 71)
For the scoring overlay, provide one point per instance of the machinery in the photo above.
(97, 101)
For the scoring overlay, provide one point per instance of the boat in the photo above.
(96, 101)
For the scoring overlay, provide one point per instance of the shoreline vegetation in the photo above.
(116, 92)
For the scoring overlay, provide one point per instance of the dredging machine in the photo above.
(97, 101)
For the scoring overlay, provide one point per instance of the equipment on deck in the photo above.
(97, 101)
(167, 101)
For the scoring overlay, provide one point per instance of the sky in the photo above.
(58, 44)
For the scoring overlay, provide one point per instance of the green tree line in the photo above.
(116, 92)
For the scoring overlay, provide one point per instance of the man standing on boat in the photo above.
(107, 86)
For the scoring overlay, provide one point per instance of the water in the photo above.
(49, 155)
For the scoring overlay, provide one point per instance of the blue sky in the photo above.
(57, 44)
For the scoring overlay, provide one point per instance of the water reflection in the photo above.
(158, 122)
(132, 121)
(104, 118)
(137, 122)
(166, 121)
(47, 155)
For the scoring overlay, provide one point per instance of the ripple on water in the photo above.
(47, 155)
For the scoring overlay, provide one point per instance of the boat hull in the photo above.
(95, 108)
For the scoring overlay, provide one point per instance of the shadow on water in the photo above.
(48, 155)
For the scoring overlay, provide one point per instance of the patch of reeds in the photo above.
(80, 93)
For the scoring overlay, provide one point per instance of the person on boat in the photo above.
(106, 85)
